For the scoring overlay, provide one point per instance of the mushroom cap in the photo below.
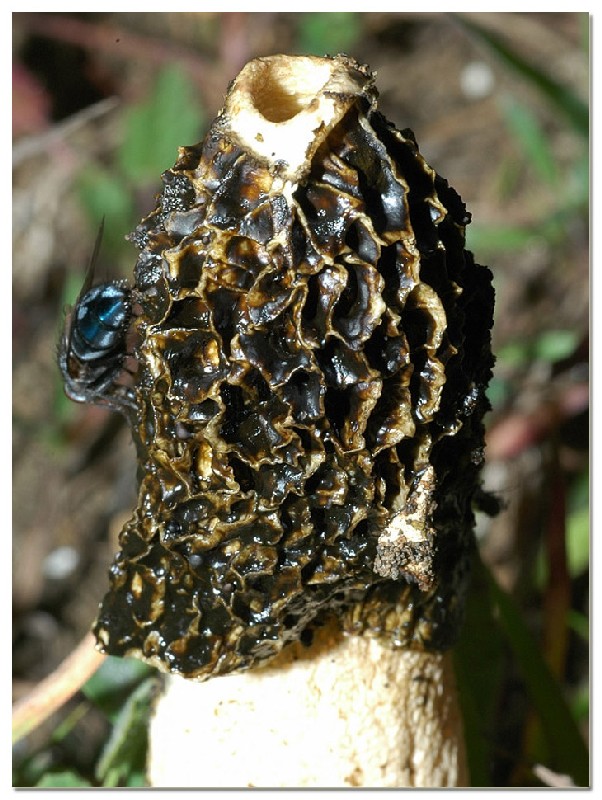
(314, 354)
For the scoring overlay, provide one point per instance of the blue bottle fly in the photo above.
(93, 346)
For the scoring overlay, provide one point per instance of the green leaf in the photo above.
(581, 704)
(555, 345)
(104, 196)
(478, 660)
(515, 354)
(124, 753)
(171, 116)
(65, 727)
(113, 681)
(567, 749)
(579, 623)
(578, 527)
(578, 183)
(137, 778)
(550, 346)
(62, 780)
(551, 229)
(501, 238)
(525, 128)
(563, 98)
(328, 33)
(499, 391)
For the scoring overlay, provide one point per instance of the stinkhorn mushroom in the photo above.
(313, 353)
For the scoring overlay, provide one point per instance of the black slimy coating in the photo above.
(305, 443)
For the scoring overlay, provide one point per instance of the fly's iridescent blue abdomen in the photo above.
(94, 344)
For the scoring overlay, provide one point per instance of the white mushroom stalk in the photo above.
(349, 711)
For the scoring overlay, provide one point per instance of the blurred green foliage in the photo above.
(123, 758)
(578, 526)
(549, 346)
(495, 626)
(171, 115)
(113, 682)
(121, 691)
(153, 130)
(565, 749)
(479, 666)
(494, 618)
(519, 355)
(528, 134)
(328, 33)
(577, 536)
(62, 780)
(534, 155)
(561, 97)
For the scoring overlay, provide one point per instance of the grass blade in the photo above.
(566, 746)
(565, 100)
(525, 128)
(478, 662)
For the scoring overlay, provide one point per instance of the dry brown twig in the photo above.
(55, 690)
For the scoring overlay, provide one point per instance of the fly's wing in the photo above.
(65, 343)
(88, 280)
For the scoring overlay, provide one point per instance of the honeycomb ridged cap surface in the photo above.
(313, 360)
